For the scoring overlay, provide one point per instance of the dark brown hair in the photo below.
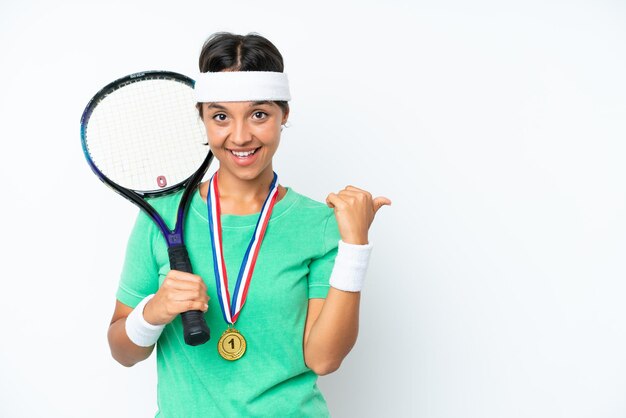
(252, 52)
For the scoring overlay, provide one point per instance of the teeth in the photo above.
(244, 154)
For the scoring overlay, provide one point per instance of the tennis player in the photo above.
(282, 273)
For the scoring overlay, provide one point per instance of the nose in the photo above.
(240, 134)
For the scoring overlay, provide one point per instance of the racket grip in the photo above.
(195, 328)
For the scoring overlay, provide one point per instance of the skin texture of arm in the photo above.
(122, 348)
(331, 330)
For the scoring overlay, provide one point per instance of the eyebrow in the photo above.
(261, 102)
(220, 107)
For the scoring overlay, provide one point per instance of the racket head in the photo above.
(142, 133)
(143, 137)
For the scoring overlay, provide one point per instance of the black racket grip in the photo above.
(195, 328)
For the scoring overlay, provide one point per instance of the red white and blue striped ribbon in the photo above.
(231, 312)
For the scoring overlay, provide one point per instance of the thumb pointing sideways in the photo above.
(379, 202)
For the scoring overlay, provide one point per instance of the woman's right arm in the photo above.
(180, 292)
(123, 349)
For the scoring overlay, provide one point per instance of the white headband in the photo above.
(241, 86)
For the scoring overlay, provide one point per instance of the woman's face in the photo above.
(243, 136)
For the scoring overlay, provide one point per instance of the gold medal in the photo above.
(231, 345)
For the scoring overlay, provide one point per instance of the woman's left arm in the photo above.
(332, 324)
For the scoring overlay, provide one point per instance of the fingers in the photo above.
(351, 194)
(381, 201)
(183, 295)
(350, 187)
(178, 307)
(332, 200)
(178, 284)
(179, 292)
(346, 196)
(181, 286)
(181, 275)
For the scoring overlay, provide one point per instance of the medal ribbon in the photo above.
(231, 312)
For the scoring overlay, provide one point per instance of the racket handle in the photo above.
(195, 328)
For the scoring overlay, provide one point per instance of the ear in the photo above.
(285, 116)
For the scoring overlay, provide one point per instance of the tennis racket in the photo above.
(142, 136)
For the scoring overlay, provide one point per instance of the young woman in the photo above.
(301, 263)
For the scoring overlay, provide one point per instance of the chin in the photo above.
(247, 176)
(245, 173)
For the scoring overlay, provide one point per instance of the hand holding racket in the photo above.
(142, 136)
(179, 292)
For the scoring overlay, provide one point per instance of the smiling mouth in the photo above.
(244, 154)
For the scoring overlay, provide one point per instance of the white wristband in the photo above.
(140, 331)
(350, 266)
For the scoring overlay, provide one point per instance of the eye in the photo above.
(220, 117)
(259, 115)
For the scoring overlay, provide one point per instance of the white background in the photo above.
(496, 286)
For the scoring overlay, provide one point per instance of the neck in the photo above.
(241, 197)
(234, 188)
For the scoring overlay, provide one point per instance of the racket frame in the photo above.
(195, 333)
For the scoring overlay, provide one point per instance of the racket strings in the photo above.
(147, 136)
